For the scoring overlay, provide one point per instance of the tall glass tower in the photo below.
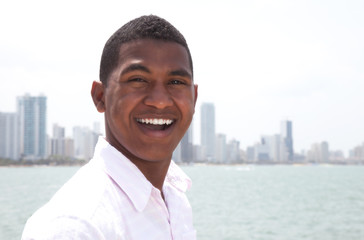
(32, 126)
(287, 153)
(187, 146)
(208, 130)
(8, 136)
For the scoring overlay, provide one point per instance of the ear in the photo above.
(97, 94)
(196, 93)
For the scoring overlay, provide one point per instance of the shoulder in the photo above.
(61, 227)
(84, 208)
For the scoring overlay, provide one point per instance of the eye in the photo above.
(136, 80)
(176, 82)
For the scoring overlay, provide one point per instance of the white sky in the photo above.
(260, 62)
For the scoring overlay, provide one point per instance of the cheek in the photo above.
(187, 107)
(116, 109)
(184, 98)
(121, 107)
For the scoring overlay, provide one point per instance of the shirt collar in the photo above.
(125, 174)
(130, 179)
(177, 178)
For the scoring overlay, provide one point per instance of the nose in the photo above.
(158, 97)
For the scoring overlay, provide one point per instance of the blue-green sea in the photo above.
(229, 202)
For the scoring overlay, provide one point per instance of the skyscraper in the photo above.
(32, 126)
(8, 136)
(286, 141)
(187, 146)
(208, 130)
(84, 142)
(221, 148)
(319, 152)
(57, 141)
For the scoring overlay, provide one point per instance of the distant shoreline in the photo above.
(41, 163)
(80, 164)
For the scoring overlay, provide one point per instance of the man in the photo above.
(131, 189)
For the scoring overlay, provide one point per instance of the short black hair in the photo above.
(144, 27)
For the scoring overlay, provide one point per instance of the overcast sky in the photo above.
(260, 62)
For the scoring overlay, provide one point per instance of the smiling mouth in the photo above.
(156, 124)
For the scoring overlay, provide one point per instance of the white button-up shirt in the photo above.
(109, 198)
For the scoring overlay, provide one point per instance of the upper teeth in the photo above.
(155, 121)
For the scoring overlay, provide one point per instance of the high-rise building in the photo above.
(57, 141)
(177, 154)
(221, 148)
(9, 144)
(187, 146)
(274, 148)
(262, 150)
(357, 153)
(32, 126)
(184, 151)
(208, 131)
(268, 149)
(84, 142)
(68, 144)
(319, 152)
(250, 154)
(233, 151)
(286, 145)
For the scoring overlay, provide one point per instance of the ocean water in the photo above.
(229, 202)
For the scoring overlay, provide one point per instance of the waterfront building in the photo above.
(208, 131)
(57, 141)
(9, 144)
(84, 142)
(221, 149)
(177, 154)
(273, 148)
(97, 128)
(187, 146)
(31, 122)
(286, 146)
(198, 154)
(233, 151)
(250, 154)
(61, 146)
(338, 155)
(357, 153)
(261, 151)
(318, 153)
(269, 148)
(69, 151)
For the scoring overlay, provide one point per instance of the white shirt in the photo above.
(109, 198)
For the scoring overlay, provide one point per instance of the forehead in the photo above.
(155, 53)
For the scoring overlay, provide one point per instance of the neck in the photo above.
(155, 172)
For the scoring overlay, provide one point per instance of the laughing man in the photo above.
(131, 189)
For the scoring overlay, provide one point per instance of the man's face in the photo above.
(149, 99)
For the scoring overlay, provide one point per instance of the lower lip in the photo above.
(155, 133)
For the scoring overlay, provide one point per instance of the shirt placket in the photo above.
(173, 206)
(162, 205)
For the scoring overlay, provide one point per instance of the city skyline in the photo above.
(204, 133)
(24, 136)
(258, 61)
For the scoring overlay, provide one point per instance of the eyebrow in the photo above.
(180, 72)
(135, 67)
(140, 67)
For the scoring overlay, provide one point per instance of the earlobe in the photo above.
(97, 94)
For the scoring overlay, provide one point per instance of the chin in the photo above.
(153, 157)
